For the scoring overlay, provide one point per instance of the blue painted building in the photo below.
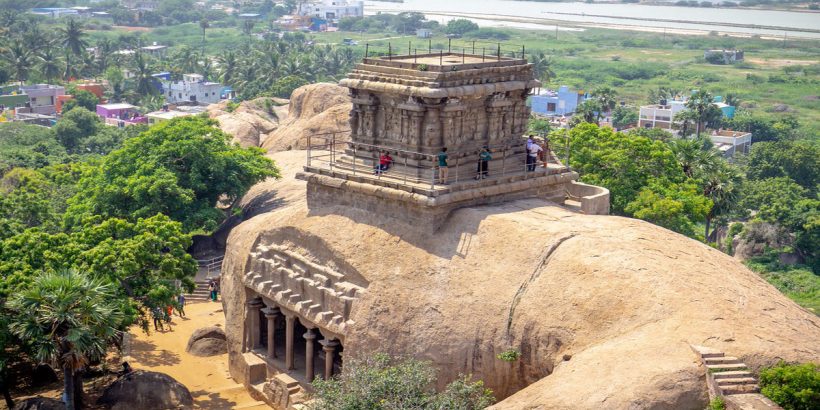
(561, 102)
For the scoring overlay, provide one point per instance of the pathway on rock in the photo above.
(206, 377)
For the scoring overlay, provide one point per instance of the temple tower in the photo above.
(412, 106)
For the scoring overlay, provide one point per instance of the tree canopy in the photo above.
(183, 168)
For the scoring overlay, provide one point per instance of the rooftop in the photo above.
(116, 106)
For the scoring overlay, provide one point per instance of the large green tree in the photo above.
(182, 168)
(68, 319)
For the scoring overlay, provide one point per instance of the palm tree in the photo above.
(227, 67)
(20, 60)
(187, 60)
(69, 319)
(247, 28)
(685, 121)
(542, 67)
(587, 110)
(49, 64)
(700, 103)
(203, 24)
(689, 155)
(73, 40)
(606, 100)
(721, 186)
(142, 72)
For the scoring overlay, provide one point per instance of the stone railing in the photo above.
(594, 199)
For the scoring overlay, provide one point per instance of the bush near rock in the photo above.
(207, 341)
(142, 389)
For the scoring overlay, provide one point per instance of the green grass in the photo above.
(799, 283)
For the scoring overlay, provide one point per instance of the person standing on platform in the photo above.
(443, 170)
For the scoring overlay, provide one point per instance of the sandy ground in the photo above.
(778, 63)
(206, 377)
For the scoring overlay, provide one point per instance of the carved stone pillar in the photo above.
(309, 336)
(329, 346)
(270, 314)
(289, 323)
(253, 324)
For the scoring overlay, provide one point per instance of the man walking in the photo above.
(442, 166)
(484, 158)
(181, 305)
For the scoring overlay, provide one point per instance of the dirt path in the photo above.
(206, 377)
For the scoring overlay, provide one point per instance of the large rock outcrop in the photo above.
(207, 341)
(603, 309)
(142, 389)
(39, 403)
(314, 109)
(250, 123)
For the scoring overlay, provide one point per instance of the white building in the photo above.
(729, 142)
(192, 88)
(660, 115)
(333, 10)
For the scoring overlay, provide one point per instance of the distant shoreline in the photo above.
(544, 21)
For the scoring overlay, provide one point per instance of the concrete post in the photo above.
(271, 313)
(329, 346)
(289, 323)
(310, 336)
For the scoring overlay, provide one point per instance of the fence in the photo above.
(212, 266)
(412, 169)
(487, 51)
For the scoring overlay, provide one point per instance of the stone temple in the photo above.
(603, 310)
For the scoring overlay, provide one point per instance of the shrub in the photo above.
(383, 382)
(794, 387)
(717, 404)
(510, 355)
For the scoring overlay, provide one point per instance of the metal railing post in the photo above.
(366, 49)
(389, 52)
(449, 42)
(473, 47)
(499, 51)
(433, 175)
(354, 159)
(483, 51)
(463, 51)
(457, 161)
(409, 47)
(440, 57)
(405, 169)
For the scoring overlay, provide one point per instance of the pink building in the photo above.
(120, 114)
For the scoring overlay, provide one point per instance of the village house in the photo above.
(192, 88)
(729, 142)
(155, 50)
(727, 56)
(120, 114)
(333, 10)
(42, 98)
(561, 102)
(662, 115)
(171, 112)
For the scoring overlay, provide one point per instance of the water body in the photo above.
(525, 14)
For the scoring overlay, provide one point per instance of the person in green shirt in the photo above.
(484, 158)
(443, 170)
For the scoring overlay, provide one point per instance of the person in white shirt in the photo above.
(532, 154)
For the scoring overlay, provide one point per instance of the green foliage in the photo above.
(510, 355)
(798, 160)
(460, 26)
(717, 404)
(27, 200)
(139, 256)
(677, 207)
(82, 98)
(381, 382)
(231, 106)
(182, 168)
(624, 115)
(794, 387)
(284, 86)
(75, 126)
(795, 281)
(538, 126)
(623, 164)
(30, 146)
